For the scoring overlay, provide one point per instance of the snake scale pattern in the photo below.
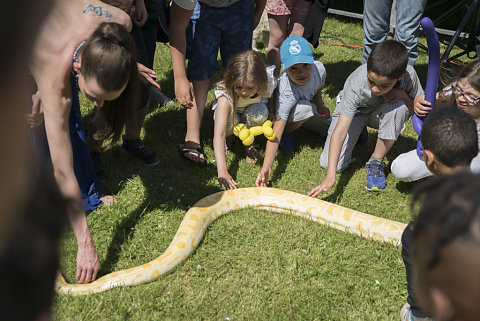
(208, 209)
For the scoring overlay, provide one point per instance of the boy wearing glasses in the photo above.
(464, 94)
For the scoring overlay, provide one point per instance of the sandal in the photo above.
(251, 154)
(189, 150)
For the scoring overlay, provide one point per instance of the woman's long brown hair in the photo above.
(110, 57)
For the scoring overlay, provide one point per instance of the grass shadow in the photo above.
(162, 184)
(335, 84)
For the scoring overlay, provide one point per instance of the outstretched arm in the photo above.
(56, 100)
(270, 152)
(221, 121)
(336, 142)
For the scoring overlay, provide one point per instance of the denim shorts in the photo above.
(228, 29)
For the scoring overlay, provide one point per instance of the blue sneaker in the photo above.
(375, 176)
(286, 144)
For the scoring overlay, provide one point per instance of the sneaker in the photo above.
(375, 176)
(139, 150)
(407, 315)
(286, 144)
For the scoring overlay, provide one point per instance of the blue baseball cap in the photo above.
(295, 50)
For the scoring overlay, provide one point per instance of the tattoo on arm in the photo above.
(93, 11)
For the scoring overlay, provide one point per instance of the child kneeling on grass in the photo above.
(450, 142)
(300, 82)
(378, 94)
(242, 96)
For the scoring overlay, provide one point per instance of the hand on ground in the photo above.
(226, 181)
(262, 177)
(87, 263)
(323, 187)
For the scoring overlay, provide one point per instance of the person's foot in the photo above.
(375, 177)
(251, 154)
(407, 315)
(286, 144)
(193, 152)
(108, 200)
(139, 150)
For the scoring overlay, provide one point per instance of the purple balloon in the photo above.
(432, 77)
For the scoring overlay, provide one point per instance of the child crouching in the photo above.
(242, 96)
(301, 82)
(378, 94)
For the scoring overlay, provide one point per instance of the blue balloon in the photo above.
(432, 77)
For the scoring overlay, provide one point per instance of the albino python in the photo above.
(208, 209)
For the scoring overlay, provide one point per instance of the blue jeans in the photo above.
(376, 23)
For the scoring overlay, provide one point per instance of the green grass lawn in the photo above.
(251, 265)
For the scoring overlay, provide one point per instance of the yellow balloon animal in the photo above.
(247, 135)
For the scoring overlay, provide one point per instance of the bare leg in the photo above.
(293, 126)
(382, 148)
(195, 115)
(296, 25)
(132, 131)
(278, 33)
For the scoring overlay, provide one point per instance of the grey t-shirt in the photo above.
(357, 97)
(289, 93)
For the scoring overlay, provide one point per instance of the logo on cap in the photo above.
(295, 47)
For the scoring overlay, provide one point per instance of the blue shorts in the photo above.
(228, 29)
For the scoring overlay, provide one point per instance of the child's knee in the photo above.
(324, 159)
(400, 169)
(341, 165)
(392, 122)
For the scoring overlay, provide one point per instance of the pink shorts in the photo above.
(288, 7)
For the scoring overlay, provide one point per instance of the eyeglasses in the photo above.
(470, 99)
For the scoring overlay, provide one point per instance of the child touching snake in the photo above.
(241, 97)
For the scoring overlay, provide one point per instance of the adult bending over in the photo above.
(105, 64)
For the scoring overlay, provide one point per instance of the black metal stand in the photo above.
(469, 28)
